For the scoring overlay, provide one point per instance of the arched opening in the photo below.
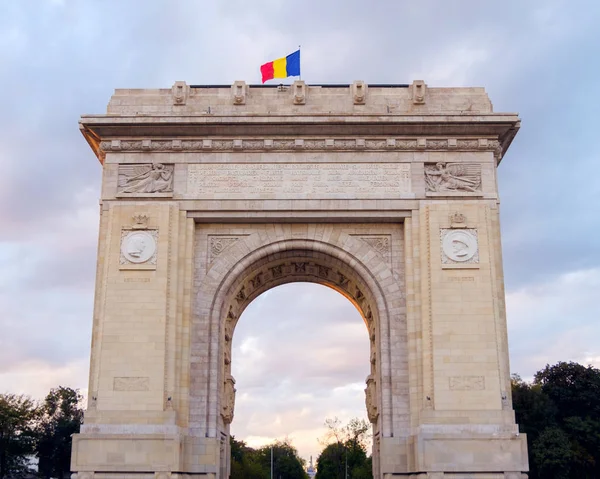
(228, 281)
(291, 262)
(300, 354)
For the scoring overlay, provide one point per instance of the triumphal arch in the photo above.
(212, 195)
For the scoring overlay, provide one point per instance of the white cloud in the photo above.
(300, 355)
(36, 378)
(64, 58)
(556, 320)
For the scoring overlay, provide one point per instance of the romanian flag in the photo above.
(282, 67)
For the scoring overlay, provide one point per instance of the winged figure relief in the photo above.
(156, 178)
(453, 177)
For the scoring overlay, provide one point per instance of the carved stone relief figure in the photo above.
(228, 333)
(459, 246)
(373, 356)
(448, 177)
(157, 178)
(371, 326)
(371, 399)
(228, 399)
(138, 247)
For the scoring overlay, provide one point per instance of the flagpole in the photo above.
(300, 76)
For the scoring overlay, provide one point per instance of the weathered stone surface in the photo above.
(212, 196)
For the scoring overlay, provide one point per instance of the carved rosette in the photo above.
(218, 244)
(371, 399)
(228, 400)
(381, 244)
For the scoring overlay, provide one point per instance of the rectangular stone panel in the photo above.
(131, 384)
(299, 180)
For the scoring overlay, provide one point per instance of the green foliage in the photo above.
(560, 412)
(18, 417)
(286, 462)
(61, 418)
(347, 451)
(249, 463)
(552, 454)
(331, 462)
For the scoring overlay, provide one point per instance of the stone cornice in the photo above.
(296, 131)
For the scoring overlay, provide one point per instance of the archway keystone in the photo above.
(205, 209)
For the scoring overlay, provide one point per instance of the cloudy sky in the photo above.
(62, 58)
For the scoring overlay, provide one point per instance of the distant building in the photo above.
(311, 471)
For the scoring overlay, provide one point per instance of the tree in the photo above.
(575, 391)
(552, 454)
(574, 388)
(560, 412)
(18, 416)
(249, 463)
(245, 462)
(331, 463)
(287, 464)
(347, 450)
(61, 418)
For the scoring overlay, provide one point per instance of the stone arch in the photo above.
(291, 266)
(349, 265)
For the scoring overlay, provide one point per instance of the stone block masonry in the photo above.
(213, 195)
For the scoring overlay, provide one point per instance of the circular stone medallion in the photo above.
(460, 245)
(138, 247)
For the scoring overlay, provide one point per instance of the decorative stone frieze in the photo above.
(223, 144)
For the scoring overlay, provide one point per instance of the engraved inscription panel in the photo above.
(467, 383)
(309, 180)
(131, 384)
